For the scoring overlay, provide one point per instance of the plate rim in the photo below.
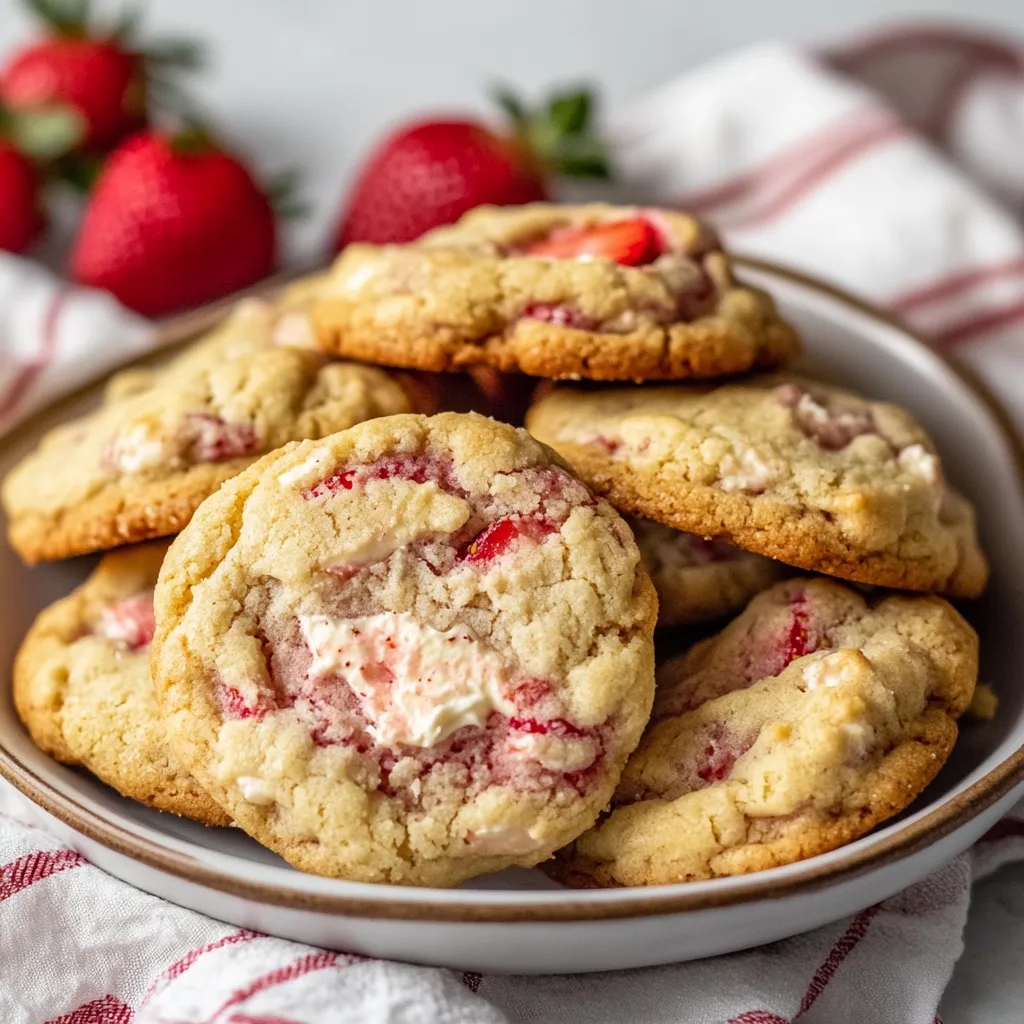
(805, 877)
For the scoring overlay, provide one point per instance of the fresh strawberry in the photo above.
(100, 74)
(431, 172)
(98, 79)
(21, 218)
(631, 242)
(173, 222)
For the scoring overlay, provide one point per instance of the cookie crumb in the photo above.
(984, 704)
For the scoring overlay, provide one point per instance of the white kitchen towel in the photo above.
(54, 337)
(796, 162)
(797, 159)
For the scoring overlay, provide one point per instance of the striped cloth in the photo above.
(830, 162)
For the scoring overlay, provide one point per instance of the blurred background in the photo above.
(310, 84)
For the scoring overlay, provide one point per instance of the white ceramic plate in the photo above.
(519, 921)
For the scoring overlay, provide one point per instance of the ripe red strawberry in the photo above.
(100, 75)
(431, 172)
(631, 242)
(174, 222)
(102, 82)
(21, 218)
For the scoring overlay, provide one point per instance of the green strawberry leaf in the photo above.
(569, 113)
(594, 168)
(510, 103)
(558, 139)
(581, 156)
(45, 133)
(65, 17)
(190, 138)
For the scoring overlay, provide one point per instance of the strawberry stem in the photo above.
(190, 138)
(569, 112)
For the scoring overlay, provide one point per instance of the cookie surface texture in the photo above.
(163, 440)
(602, 292)
(810, 719)
(698, 580)
(412, 652)
(785, 467)
(82, 687)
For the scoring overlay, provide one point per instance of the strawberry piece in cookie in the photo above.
(598, 292)
(631, 242)
(720, 753)
(560, 315)
(792, 469)
(810, 719)
(833, 420)
(754, 647)
(214, 439)
(147, 445)
(424, 651)
(164, 439)
(82, 686)
(129, 621)
(498, 538)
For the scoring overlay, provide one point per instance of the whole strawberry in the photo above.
(174, 221)
(431, 172)
(100, 74)
(21, 218)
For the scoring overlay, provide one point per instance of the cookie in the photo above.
(251, 327)
(785, 467)
(602, 292)
(809, 720)
(138, 466)
(83, 689)
(696, 579)
(413, 652)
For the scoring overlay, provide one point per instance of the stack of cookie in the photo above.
(404, 648)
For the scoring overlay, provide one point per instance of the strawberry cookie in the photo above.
(810, 719)
(83, 689)
(697, 579)
(413, 652)
(603, 292)
(160, 443)
(789, 468)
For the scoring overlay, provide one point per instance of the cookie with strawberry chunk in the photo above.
(809, 720)
(697, 579)
(603, 292)
(83, 689)
(785, 467)
(413, 652)
(138, 467)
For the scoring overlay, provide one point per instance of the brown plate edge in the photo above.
(910, 839)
